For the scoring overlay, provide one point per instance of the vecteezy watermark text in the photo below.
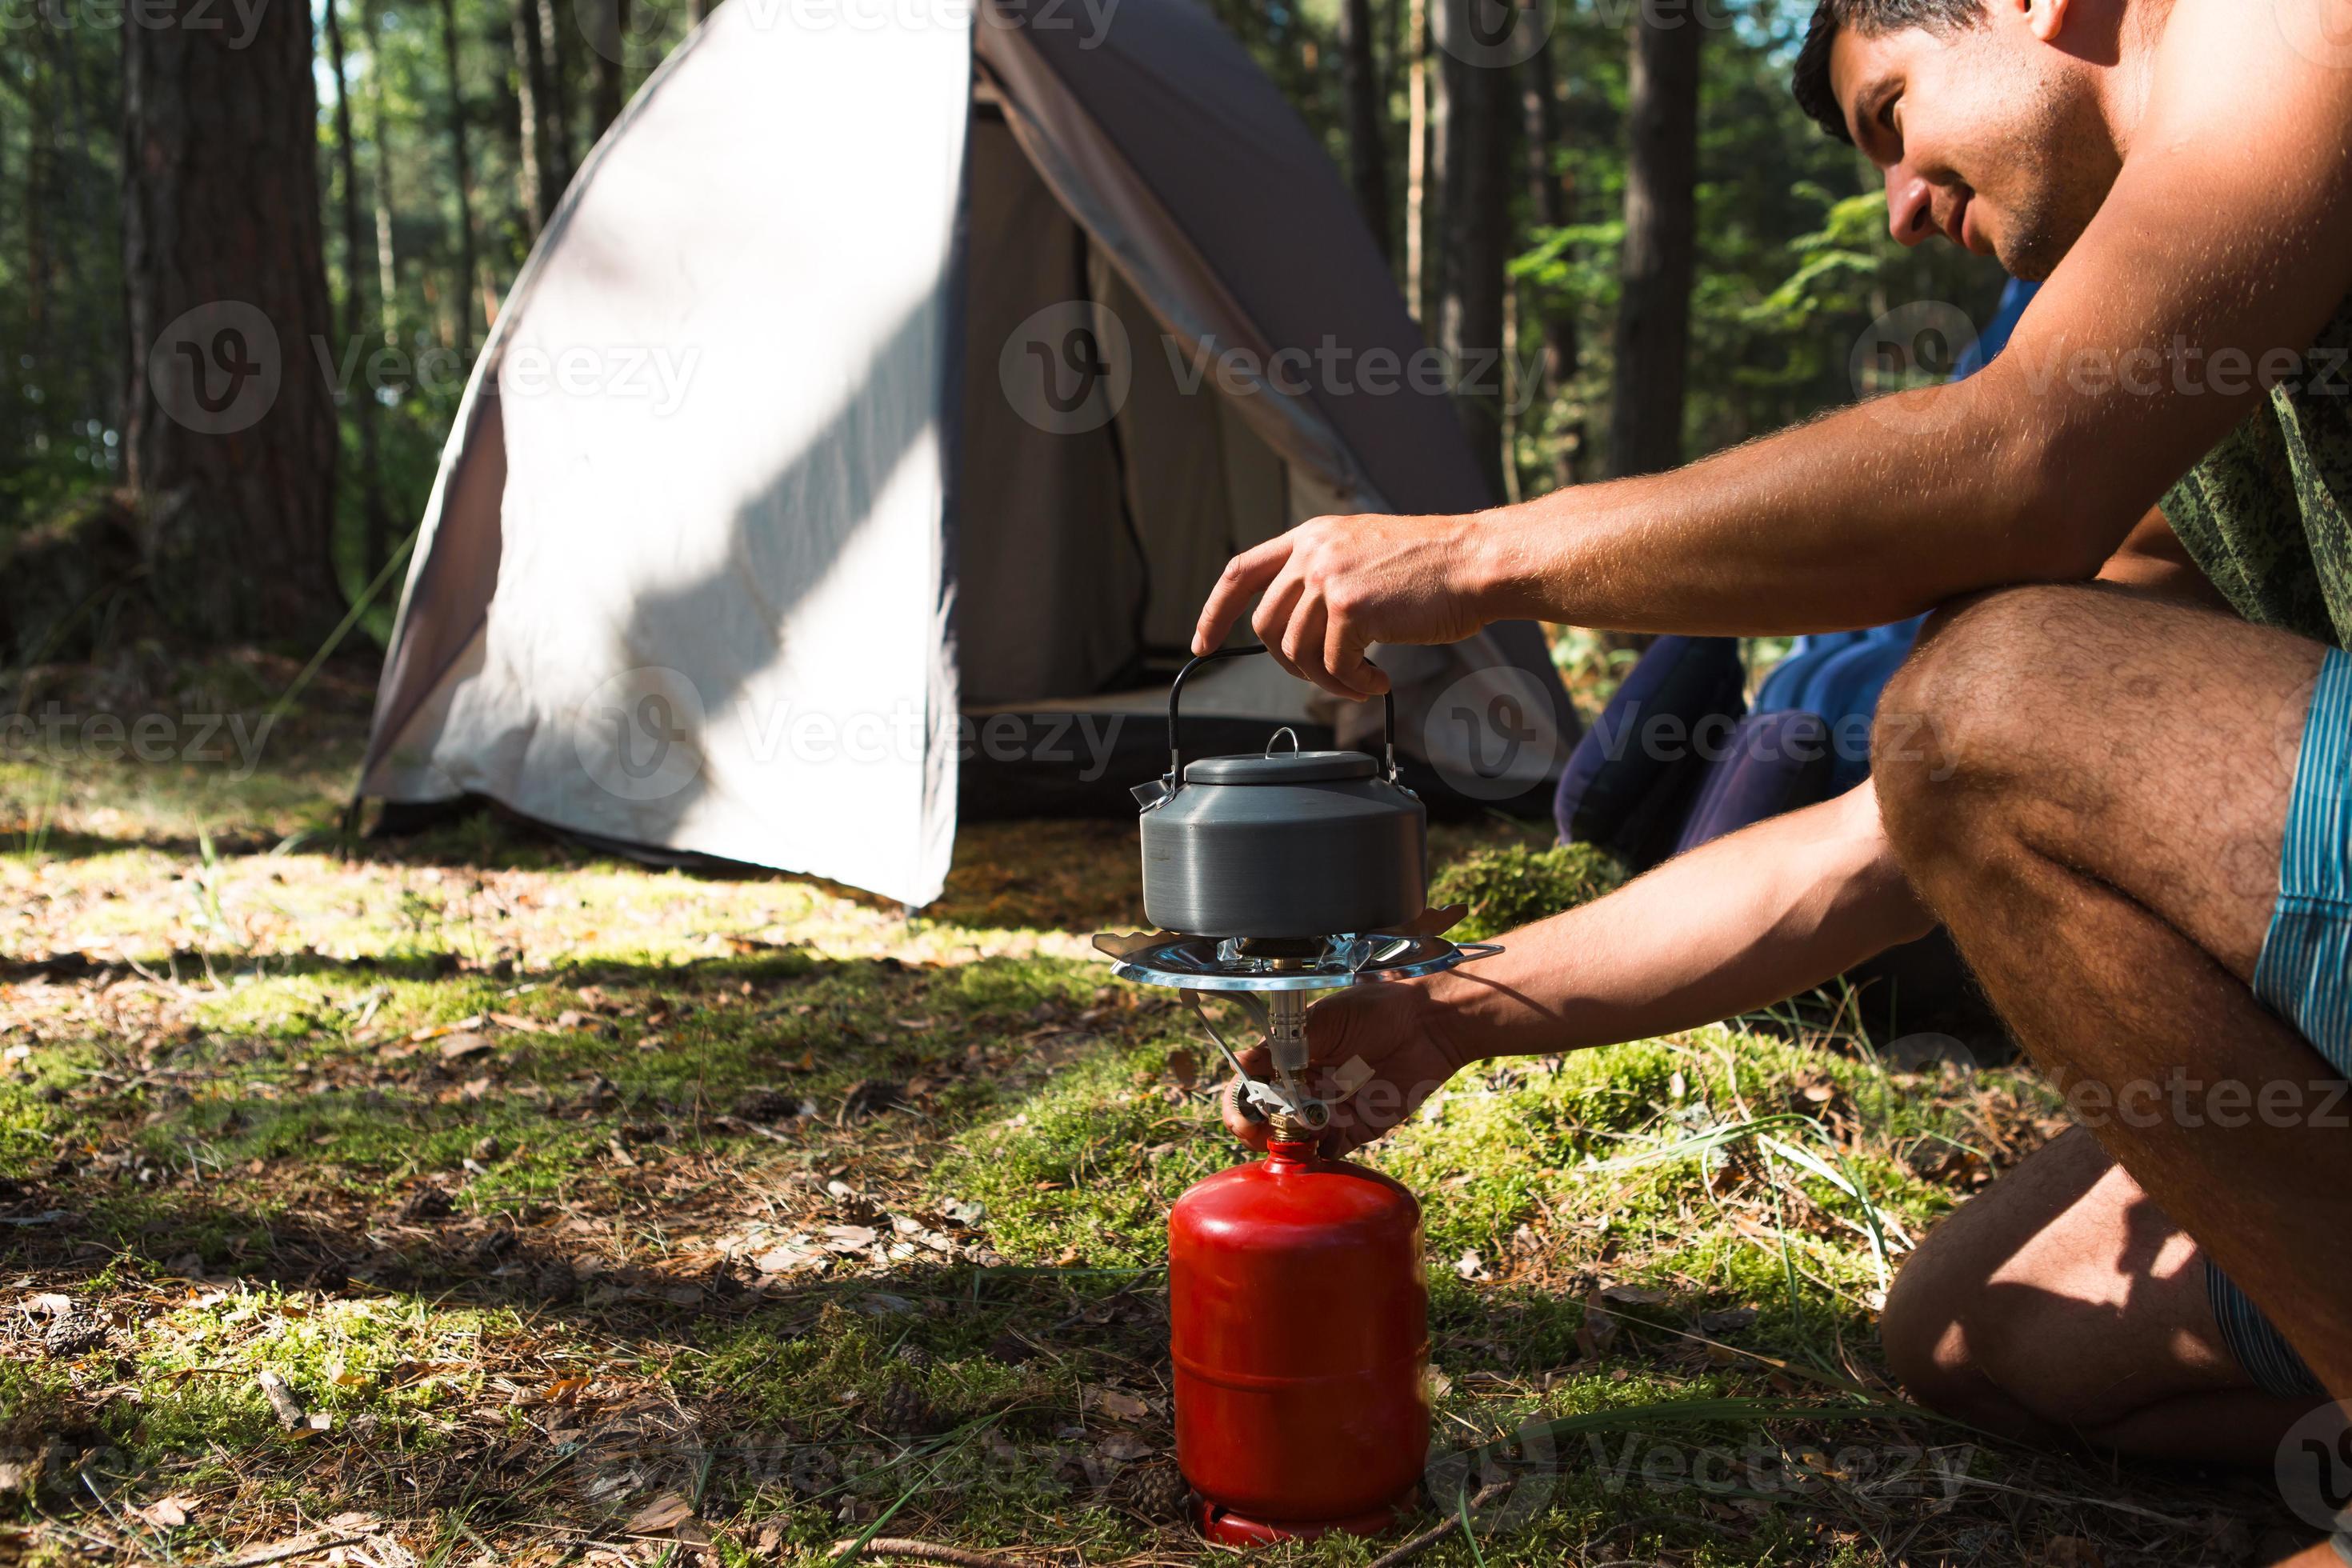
(2182, 1098)
(644, 734)
(54, 734)
(1068, 369)
(238, 19)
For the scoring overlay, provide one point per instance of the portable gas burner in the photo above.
(1298, 1309)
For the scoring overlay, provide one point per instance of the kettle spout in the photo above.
(1148, 796)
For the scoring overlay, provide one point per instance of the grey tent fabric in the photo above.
(740, 526)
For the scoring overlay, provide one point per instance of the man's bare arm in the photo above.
(2152, 561)
(2224, 246)
(1737, 924)
(1748, 920)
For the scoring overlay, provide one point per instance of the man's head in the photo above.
(1987, 116)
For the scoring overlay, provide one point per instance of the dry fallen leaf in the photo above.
(1119, 1406)
(167, 1514)
(1633, 1295)
(456, 1048)
(784, 1259)
(664, 1514)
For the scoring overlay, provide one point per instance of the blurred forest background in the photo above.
(1636, 210)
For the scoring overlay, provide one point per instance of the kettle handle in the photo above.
(1176, 697)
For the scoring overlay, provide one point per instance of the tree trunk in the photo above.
(555, 49)
(463, 160)
(532, 174)
(1645, 425)
(701, 11)
(1412, 51)
(1475, 224)
(610, 42)
(1435, 81)
(376, 530)
(40, 201)
(387, 264)
(1548, 201)
(1367, 117)
(230, 430)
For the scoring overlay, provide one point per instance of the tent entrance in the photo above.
(1102, 479)
(1102, 482)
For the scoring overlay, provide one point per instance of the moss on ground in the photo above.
(1513, 885)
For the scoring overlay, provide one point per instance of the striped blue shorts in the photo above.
(2304, 974)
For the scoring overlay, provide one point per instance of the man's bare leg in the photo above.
(2062, 1305)
(2090, 789)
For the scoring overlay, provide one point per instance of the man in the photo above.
(2125, 797)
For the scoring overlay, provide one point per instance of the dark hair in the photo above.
(1871, 19)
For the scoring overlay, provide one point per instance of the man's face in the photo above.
(1989, 136)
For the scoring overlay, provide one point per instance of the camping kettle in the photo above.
(1287, 844)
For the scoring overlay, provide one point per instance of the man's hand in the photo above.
(1404, 1041)
(1335, 585)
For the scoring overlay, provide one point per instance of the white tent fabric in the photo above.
(681, 421)
(735, 524)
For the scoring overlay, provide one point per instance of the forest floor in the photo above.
(474, 1199)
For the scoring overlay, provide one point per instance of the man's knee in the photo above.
(1922, 1331)
(1960, 1345)
(1997, 682)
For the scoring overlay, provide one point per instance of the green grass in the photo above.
(758, 1193)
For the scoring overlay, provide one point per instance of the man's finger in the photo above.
(1237, 1123)
(1302, 643)
(1343, 656)
(1244, 576)
(1331, 1025)
(1272, 621)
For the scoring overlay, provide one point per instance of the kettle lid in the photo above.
(1283, 768)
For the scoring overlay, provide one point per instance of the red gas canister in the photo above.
(1299, 1330)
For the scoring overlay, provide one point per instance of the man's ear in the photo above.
(2047, 18)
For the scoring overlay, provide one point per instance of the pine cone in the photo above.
(902, 1411)
(1159, 1492)
(913, 1356)
(73, 1335)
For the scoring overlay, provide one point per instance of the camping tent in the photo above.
(885, 394)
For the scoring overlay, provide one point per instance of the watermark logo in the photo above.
(217, 369)
(630, 32)
(1494, 34)
(1912, 346)
(1503, 1486)
(1930, 1052)
(1491, 735)
(2318, 30)
(2313, 1469)
(1067, 369)
(639, 733)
